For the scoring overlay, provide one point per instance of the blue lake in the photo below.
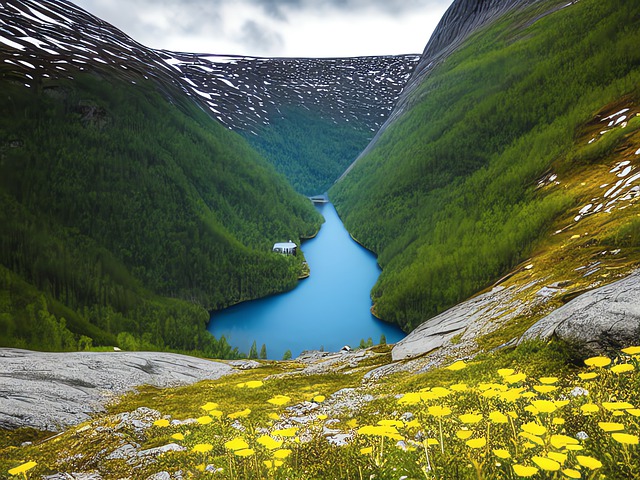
(329, 309)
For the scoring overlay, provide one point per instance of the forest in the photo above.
(127, 218)
(447, 196)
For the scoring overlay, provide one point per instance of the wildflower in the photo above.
(534, 428)
(285, 432)
(617, 405)
(438, 411)
(498, 417)
(558, 421)
(511, 395)
(611, 426)
(476, 442)
(544, 388)
(546, 463)
(459, 365)
(163, 422)
(215, 413)
(515, 378)
(205, 420)
(269, 442)
(559, 441)
(236, 444)
(177, 436)
(557, 456)
(631, 350)
(279, 400)
(544, 406)
(440, 392)
(381, 431)
(391, 423)
(597, 362)
(622, 368)
(240, 414)
(270, 464)
(282, 453)
(634, 411)
(588, 375)
(411, 398)
(366, 450)
(464, 434)
(589, 462)
(625, 438)
(502, 453)
(530, 436)
(571, 473)
(22, 468)
(524, 471)
(548, 380)
(202, 447)
(319, 398)
(589, 408)
(470, 418)
(209, 406)
(246, 452)
(322, 416)
(459, 387)
(505, 372)
(274, 416)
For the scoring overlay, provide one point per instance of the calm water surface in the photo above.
(329, 309)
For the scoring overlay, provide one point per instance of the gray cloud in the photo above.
(258, 36)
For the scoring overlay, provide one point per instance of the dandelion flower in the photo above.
(631, 350)
(366, 450)
(544, 388)
(319, 398)
(476, 442)
(557, 456)
(524, 471)
(411, 398)
(589, 462)
(515, 378)
(464, 434)
(544, 406)
(440, 392)
(617, 405)
(177, 436)
(588, 375)
(22, 468)
(548, 380)
(209, 406)
(611, 426)
(391, 423)
(274, 416)
(459, 387)
(322, 416)
(530, 436)
(546, 463)
(634, 411)
(236, 444)
(206, 420)
(269, 442)
(498, 417)
(559, 441)
(597, 362)
(589, 408)
(571, 473)
(279, 400)
(534, 428)
(240, 414)
(285, 432)
(470, 418)
(558, 421)
(459, 365)
(202, 447)
(163, 422)
(505, 372)
(625, 438)
(247, 452)
(622, 368)
(281, 454)
(438, 411)
(502, 453)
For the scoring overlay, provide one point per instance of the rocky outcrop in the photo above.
(602, 319)
(50, 391)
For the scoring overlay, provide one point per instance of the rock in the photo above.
(602, 319)
(160, 476)
(154, 452)
(124, 452)
(50, 391)
(73, 476)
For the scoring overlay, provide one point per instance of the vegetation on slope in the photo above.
(125, 218)
(448, 196)
(533, 411)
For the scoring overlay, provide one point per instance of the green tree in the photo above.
(383, 340)
(253, 351)
(263, 352)
(287, 355)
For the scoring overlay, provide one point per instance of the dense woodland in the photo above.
(447, 197)
(125, 218)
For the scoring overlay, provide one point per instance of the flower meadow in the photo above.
(472, 419)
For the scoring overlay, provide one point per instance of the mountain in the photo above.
(510, 164)
(127, 211)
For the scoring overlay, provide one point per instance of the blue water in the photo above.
(329, 309)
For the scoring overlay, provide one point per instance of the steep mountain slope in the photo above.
(496, 153)
(120, 196)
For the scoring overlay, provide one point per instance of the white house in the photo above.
(286, 248)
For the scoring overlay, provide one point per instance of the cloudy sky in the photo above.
(276, 28)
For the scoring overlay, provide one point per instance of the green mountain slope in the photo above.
(129, 216)
(448, 194)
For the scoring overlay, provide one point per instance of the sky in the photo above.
(275, 28)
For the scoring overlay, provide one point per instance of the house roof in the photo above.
(285, 245)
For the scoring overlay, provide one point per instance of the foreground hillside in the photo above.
(513, 157)
(127, 211)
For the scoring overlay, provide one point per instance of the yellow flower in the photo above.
(202, 447)
(530, 436)
(366, 450)
(498, 417)
(544, 406)
(511, 395)
(391, 423)
(440, 392)
(247, 452)
(588, 375)
(464, 434)
(597, 362)
(236, 444)
(470, 418)
(240, 414)
(476, 442)
(459, 387)
(557, 456)
(625, 438)
(353, 423)
(274, 416)
(459, 365)
(559, 441)
(524, 471)
(215, 413)
(432, 442)
(528, 395)
(438, 411)
(269, 442)
(380, 431)
(411, 398)
(502, 453)
(209, 406)
(534, 428)
(279, 400)
(319, 398)
(322, 416)
(546, 463)
(544, 388)
(282, 454)
(589, 462)
(571, 473)
(205, 420)
(622, 368)
(611, 426)
(177, 436)
(631, 350)
(548, 380)
(558, 421)
(22, 468)
(163, 422)
(617, 405)
(505, 372)
(515, 378)
(589, 408)
(634, 411)
(285, 432)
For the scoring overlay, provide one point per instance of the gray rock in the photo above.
(50, 391)
(124, 452)
(603, 319)
(154, 452)
(160, 476)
